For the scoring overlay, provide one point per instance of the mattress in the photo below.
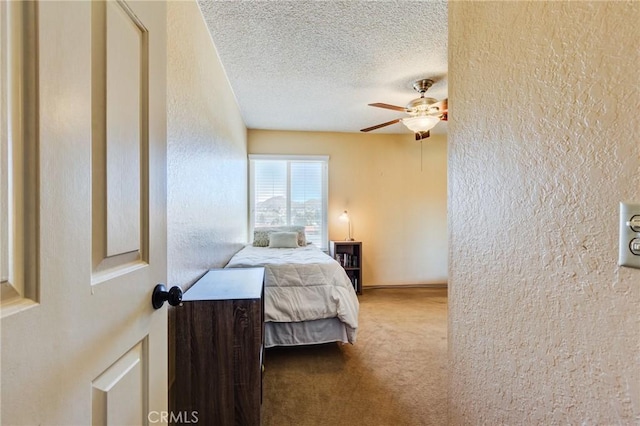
(303, 284)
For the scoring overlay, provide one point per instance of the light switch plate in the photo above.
(629, 235)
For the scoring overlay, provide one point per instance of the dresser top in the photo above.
(226, 284)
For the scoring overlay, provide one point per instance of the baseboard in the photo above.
(432, 285)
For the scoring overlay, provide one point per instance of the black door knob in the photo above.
(160, 295)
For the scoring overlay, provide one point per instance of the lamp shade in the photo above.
(344, 216)
(420, 123)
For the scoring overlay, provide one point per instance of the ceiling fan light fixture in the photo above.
(424, 113)
(421, 123)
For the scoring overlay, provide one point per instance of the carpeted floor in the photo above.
(395, 374)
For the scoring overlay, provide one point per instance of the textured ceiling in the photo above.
(315, 65)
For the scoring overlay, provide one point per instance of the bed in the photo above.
(308, 297)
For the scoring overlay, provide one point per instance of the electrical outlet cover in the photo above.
(629, 216)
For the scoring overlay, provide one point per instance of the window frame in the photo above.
(292, 158)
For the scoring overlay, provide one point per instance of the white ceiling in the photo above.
(315, 65)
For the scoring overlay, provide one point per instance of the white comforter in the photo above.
(302, 284)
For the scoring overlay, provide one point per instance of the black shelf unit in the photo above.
(349, 256)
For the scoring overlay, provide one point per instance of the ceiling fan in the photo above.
(424, 113)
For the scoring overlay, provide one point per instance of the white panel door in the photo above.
(83, 212)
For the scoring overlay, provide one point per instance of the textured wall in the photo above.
(398, 211)
(207, 157)
(544, 326)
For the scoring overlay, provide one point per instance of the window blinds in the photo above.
(290, 191)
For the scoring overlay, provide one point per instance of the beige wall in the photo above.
(543, 145)
(398, 211)
(207, 157)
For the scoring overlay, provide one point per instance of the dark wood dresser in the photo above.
(219, 348)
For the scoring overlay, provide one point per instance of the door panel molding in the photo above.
(19, 157)
(120, 178)
(123, 384)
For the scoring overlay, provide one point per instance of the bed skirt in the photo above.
(304, 333)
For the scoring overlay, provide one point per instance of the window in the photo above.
(290, 190)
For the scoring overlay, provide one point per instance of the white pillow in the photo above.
(283, 240)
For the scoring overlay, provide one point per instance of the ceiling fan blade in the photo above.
(387, 106)
(388, 123)
(443, 105)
